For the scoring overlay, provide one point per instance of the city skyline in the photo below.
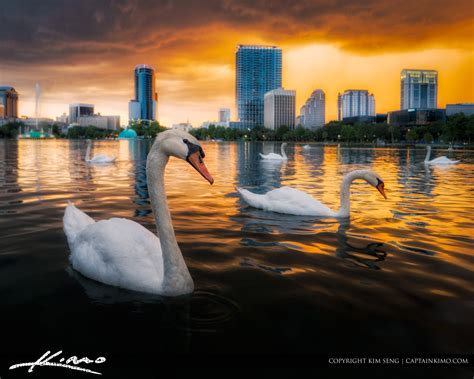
(195, 69)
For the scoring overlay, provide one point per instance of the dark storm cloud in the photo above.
(36, 32)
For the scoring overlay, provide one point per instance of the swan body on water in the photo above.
(97, 159)
(123, 253)
(306, 147)
(295, 202)
(274, 156)
(437, 161)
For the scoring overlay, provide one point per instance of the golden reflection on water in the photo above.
(428, 211)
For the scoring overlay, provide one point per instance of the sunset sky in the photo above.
(85, 51)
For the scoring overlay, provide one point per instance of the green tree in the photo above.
(428, 137)
(411, 135)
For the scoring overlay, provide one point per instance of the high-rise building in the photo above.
(279, 108)
(418, 89)
(144, 105)
(77, 110)
(355, 103)
(258, 70)
(224, 115)
(9, 100)
(313, 112)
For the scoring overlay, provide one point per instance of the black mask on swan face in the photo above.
(192, 148)
(381, 187)
(195, 158)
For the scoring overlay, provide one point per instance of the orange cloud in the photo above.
(86, 52)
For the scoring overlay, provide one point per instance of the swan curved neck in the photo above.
(428, 151)
(345, 207)
(176, 277)
(283, 153)
(88, 151)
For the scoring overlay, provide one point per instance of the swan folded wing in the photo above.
(442, 160)
(121, 253)
(286, 200)
(272, 156)
(292, 201)
(74, 221)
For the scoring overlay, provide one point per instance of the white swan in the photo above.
(292, 201)
(98, 158)
(306, 147)
(276, 156)
(437, 161)
(122, 253)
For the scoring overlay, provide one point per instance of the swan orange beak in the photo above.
(381, 189)
(196, 161)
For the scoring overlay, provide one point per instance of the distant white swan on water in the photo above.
(100, 159)
(288, 200)
(276, 156)
(123, 253)
(437, 161)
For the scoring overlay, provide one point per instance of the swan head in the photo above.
(182, 145)
(374, 180)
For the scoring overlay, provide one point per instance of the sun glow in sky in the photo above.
(192, 46)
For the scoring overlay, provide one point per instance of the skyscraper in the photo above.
(258, 70)
(355, 103)
(279, 108)
(313, 112)
(418, 89)
(144, 105)
(9, 100)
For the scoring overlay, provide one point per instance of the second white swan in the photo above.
(437, 161)
(99, 159)
(288, 200)
(276, 156)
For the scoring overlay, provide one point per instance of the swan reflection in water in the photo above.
(365, 255)
(274, 229)
(200, 312)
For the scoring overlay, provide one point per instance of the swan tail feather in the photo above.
(74, 221)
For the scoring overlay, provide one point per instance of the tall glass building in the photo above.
(418, 89)
(144, 105)
(258, 71)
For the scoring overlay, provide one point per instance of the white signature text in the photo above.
(71, 363)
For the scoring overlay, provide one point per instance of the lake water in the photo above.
(395, 279)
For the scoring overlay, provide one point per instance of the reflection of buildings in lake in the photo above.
(80, 172)
(138, 150)
(350, 155)
(9, 168)
(412, 176)
(250, 173)
(76, 160)
(313, 157)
